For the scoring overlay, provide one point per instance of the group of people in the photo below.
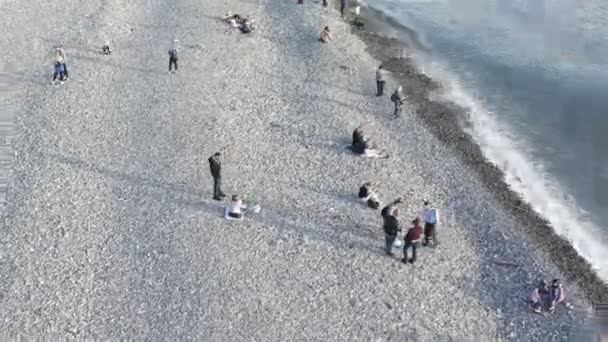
(546, 298)
(415, 235)
(243, 24)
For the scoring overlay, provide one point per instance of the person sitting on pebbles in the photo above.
(363, 145)
(538, 296)
(105, 49)
(367, 194)
(325, 35)
(547, 298)
(236, 209)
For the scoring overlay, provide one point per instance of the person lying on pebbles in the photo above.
(367, 194)
(325, 35)
(412, 239)
(362, 144)
(390, 217)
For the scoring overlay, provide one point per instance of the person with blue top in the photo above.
(430, 216)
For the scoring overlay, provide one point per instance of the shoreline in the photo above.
(445, 121)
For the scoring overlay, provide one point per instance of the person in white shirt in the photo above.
(236, 209)
(367, 194)
(380, 79)
(430, 216)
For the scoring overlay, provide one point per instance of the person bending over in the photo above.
(399, 99)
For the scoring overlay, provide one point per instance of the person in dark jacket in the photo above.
(412, 239)
(342, 7)
(173, 57)
(391, 226)
(215, 166)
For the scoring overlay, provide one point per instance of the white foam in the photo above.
(526, 176)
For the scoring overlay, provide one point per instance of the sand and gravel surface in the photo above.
(110, 231)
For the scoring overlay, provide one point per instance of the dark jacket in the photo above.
(215, 165)
(391, 225)
(414, 234)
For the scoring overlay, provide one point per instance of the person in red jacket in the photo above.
(412, 239)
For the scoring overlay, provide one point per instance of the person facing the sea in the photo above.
(556, 294)
(398, 98)
(430, 216)
(215, 166)
(380, 80)
(236, 208)
(390, 215)
(412, 239)
(325, 35)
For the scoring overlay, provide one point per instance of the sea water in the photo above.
(534, 75)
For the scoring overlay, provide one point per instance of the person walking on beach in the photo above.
(398, 98)
(412, 239)
(390, 215)
(215, 165)
(60, 57)
(380, 79)
(173, 55)
(430, 216)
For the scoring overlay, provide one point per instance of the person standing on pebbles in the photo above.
(173, 55)
(390, 215)
(430, 216)
(380, 80)
(398, 98)
(60, 58)
(215, 165)
(412, 239)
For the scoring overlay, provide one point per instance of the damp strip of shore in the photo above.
(388, 42)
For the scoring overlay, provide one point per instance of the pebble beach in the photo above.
(110, 233)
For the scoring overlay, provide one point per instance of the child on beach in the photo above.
(236, 210)
(60, 57)
(325, 35)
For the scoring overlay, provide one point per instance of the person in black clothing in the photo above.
(342, 7)
(391, 225)
(216, 167)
